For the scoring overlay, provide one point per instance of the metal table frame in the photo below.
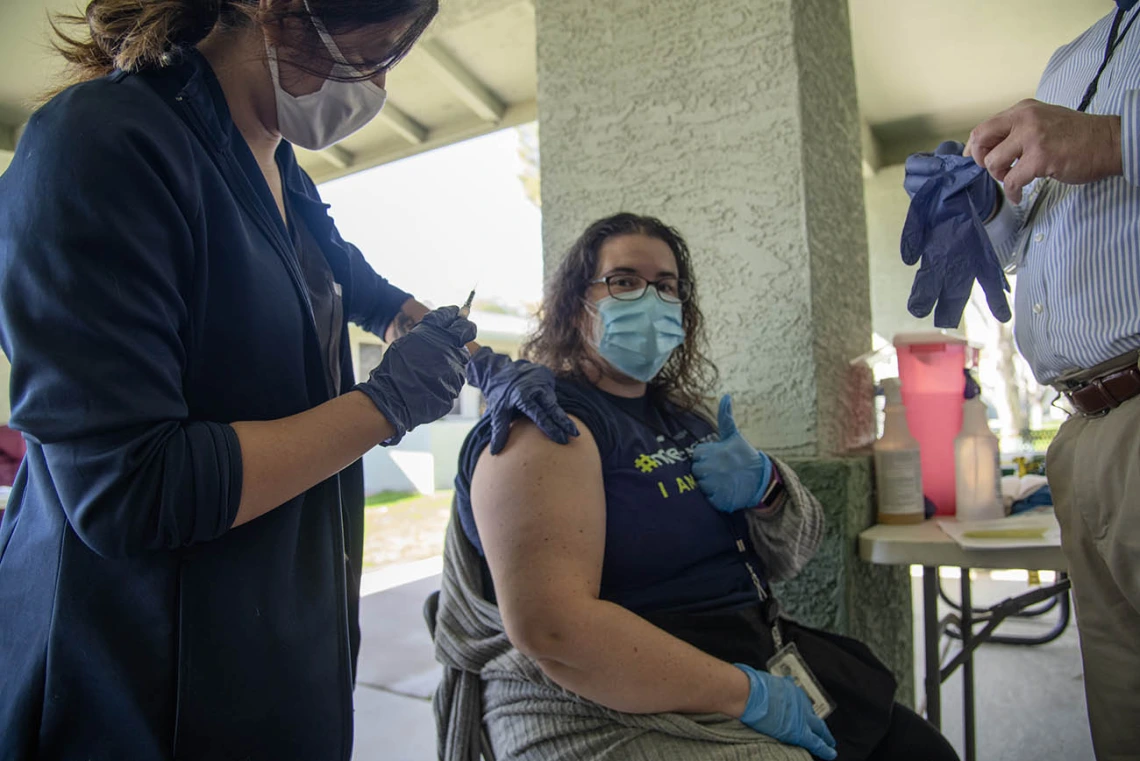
(926, 545)
(964, 621)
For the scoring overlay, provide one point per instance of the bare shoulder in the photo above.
(531, 456)
(536, 486)
(540, 510)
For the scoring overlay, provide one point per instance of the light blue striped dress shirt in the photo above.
(1076, 248)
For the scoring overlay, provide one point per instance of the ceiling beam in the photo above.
(461, 82)
(404, 125)
(458, 13)
(338, 156)
(896, 149)
(9, 137)
(872, 151)
(438, 138)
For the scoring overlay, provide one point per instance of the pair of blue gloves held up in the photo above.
(951, 198)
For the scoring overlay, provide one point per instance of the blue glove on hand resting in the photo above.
(522, 386)
(421, 373)
(777, 707)
(731, 473)
(951, 197)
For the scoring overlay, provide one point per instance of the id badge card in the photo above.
(788, 662)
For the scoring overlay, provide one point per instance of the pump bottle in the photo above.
(898, 464)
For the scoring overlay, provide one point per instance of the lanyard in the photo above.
(741, 546)
(1114, 41)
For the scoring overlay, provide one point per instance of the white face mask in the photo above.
(332, 113)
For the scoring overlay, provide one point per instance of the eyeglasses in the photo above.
(624, 287)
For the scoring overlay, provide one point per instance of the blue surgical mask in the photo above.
(638, 337)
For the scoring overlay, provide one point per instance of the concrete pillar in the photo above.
(735, 121)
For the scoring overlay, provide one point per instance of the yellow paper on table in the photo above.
(1006, 533)
(1035, 529)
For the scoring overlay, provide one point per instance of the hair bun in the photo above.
(196, 20)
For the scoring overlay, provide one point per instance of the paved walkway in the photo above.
(1030, 700)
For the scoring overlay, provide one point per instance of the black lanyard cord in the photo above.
(740, 541)
(1114, 41)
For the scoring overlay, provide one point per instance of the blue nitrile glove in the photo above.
(422, 372)
(731, 473)
(944, 229)
(777, 707)
(920, 167)
(522, 386)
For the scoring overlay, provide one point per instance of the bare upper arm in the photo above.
(540, 511)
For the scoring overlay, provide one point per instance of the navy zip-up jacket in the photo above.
(150, 296)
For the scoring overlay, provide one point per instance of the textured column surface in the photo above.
(736, 121)
(837, 591)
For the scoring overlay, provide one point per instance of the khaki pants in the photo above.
(1094, 472)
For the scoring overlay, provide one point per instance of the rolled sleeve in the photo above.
(1130, 136)
(96, 256)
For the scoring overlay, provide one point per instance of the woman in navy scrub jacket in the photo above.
(180, 557)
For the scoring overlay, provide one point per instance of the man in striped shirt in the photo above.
(1069, 224)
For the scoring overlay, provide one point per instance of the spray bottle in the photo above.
(977, 462)
(898, 464)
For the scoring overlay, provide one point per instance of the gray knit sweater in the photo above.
(528, 717)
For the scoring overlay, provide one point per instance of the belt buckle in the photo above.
(1106, 396)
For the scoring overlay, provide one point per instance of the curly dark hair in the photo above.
(558, 342)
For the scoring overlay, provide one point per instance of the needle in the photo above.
(465, 311)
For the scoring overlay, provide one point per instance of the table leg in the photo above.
(931, 632)
(968, 667)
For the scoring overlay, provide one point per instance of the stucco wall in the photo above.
(696, 112)
(737, 122)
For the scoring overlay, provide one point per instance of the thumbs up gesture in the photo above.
(731, 473)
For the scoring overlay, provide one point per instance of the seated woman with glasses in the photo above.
(610, 598)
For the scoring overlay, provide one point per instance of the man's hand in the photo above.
(1046, 141)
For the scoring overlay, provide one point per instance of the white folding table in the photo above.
(927, 545)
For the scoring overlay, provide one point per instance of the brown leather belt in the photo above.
(1104, 393)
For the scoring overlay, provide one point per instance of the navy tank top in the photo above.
(667, 548)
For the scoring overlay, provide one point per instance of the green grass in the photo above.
(401, 527)
(389, 498)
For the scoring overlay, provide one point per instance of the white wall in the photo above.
(428, 457)
(887, 204)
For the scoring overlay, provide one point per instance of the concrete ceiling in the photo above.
(925, 69)
(473, 72)
(929, 69)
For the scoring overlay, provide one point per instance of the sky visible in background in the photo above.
(441, 222)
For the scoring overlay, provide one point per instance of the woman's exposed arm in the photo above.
(282, 458)
(540, 509)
